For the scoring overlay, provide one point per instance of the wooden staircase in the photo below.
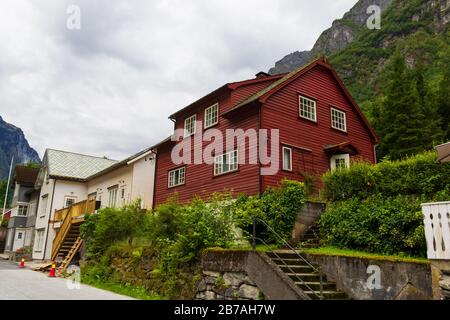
(67, 241)
(69, 256)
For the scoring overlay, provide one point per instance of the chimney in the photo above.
(262, 74)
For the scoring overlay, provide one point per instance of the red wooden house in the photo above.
(320, 128)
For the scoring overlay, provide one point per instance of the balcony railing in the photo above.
(76, 210)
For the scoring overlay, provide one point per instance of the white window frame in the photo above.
(20, 212)
(335, 119)
(209, 112)
(42, 207)
(172, 177)
(66, 198)
(219, 164)
(283, 158)
(345, 157)
(112, 196)
(302, 107)
(191, 121)
(39, 239)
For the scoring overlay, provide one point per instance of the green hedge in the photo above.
(419, 174)
(391, 225)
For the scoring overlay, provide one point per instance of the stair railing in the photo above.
(63, 230)
(300, 257)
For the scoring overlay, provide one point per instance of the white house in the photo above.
(68, 178)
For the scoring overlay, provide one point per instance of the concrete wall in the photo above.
(266, 276)
(376, 279)
(307, 216)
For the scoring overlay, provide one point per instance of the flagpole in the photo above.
(7, 186)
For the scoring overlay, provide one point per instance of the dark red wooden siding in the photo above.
(200, 179)
(281, 111)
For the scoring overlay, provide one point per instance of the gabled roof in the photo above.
(227, 88)
(264, 94)
(122, 163)
(25, 175)
(73, 166)
(343, 147)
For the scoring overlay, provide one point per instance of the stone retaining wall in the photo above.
(227, 286)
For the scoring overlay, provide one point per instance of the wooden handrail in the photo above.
(67, 215)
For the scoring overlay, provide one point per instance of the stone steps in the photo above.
(305, 276)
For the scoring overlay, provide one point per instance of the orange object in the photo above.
(22, 263)
(52, 273)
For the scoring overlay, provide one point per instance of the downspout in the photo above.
(259, 162)
(154, 178)
(49, 216)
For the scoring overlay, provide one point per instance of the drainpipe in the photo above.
(259, 162)
(49, 216)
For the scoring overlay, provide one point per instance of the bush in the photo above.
(278, 207)
(110, 225)
(415, 175)
(377, 224)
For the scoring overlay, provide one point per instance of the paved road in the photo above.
(25, 284)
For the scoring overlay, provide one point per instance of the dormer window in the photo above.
(189, 125)
(211, 115)
(307, 108)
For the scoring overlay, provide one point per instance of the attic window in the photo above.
(189, 125)
(211, 115)
(307, 108)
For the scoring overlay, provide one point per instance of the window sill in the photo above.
(308, 120)
(339, 130)
(225, 174)
(178, 185)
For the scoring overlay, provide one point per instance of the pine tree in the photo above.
(443, 103)
(401, 120)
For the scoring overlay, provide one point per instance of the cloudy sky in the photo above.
(108, 87)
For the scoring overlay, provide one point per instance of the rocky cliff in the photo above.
(14, 143)
(342, 32)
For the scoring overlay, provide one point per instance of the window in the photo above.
(177, 177)
(68, 201)
(43, 206)
(338, 119)
(22, 211)
(226, 162)
(307, 108)
(122, 196)
(340, 161)
(19, 235)
(39, 239)
(189, 125)
(112, 196)
(92, 196)
(287, 159)
(211, 115)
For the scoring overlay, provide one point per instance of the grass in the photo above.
(127, 290)
(333, 251)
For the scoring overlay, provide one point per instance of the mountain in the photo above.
(342, 32)
(14, 143)
(361, 56)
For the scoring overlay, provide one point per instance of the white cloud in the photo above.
(108, 88)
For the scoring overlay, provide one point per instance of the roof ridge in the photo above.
(81, 154)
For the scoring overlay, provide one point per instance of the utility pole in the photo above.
(7, 186)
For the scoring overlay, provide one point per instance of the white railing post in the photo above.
(436, 218)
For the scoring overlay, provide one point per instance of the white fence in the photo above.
(436, 217)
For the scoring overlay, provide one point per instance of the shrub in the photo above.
(416, 175)
(101, 230)
(377, 224)
(278, 207)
